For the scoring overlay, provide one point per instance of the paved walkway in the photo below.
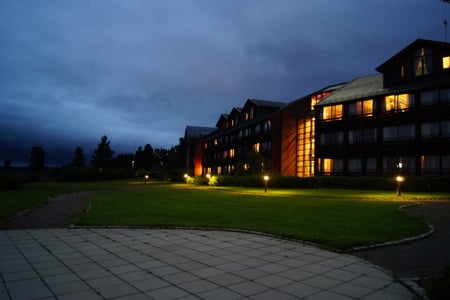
(180, 264)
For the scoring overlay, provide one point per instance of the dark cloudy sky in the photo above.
(139, 71)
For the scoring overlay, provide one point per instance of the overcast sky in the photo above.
(140, 71)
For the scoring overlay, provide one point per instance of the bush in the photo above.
(439, 287)
(10, 181)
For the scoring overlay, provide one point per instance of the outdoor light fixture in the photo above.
(185, 177)
(266, 180)
(399, 180)
(145, 178)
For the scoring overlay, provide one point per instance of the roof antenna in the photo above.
(445, 22)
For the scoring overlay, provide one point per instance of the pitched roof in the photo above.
(267, 103)
(413, 46)
(198, 131)
(360, 87)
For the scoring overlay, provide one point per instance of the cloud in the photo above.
(140, 71)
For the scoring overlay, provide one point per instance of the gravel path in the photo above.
(420, 258)
(56, 214)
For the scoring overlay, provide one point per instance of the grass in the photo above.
(336, 218)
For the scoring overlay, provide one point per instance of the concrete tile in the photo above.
(106, 281)
(167, 293)
(351, 290)
(149, 284)
(95, 273)
(371, 282)
(123, 269)
(231, 267)
(198, 286)
(219, 294)
(136, 276)
(60, 278)
(20, 275)
(248, 288)
(180, 277)
(299, 289)
(326, 295)
(207, 272)
(341, 275)
(273, 268)
(273, 294)
(296, 274)
(69, 287)
(226, 279)
(118, 290)
(251, 273)
(273, 281)
(321, 282)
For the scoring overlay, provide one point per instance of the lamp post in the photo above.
(266, 180)
(399, 180)
(185, 177)
(145, 178)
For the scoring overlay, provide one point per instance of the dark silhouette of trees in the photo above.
(78, 157)
(144, 158)
(37, 159)
(7, 165)
(103, 154)
(123, 161)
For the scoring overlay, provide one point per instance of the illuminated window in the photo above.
(219, 170)
(305, 147)
(333, 112)
(361, 108)
(446, 62)
(256, 147)
(332, 165)
(398, 102)
(422, 62)
(231, 153)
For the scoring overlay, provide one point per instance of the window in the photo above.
(371, 165)
(430, 130)
(333, 112)
(354, 165)
(267, 125)
(398, 133)
(446, 163)
(446, 62)
(256, 147)
(331, 138)
(331, 165)
(445, 128)
(398, 102)
(429, 98)
(361, 108)
(357, 136)
(429, 163)
(231, 153)
(422, 62)
(305, 147)
(445, 96)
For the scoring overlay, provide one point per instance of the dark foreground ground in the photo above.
(417, 259)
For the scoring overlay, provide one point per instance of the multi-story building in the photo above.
(397, 120)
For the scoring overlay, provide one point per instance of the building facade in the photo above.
(395, 121)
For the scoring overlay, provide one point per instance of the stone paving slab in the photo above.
(112, 263)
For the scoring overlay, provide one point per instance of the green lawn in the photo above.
(335, 218)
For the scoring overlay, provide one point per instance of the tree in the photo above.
(78, 158)
(103, 154)
(144, 158)
(7, 165)
(37, 158)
